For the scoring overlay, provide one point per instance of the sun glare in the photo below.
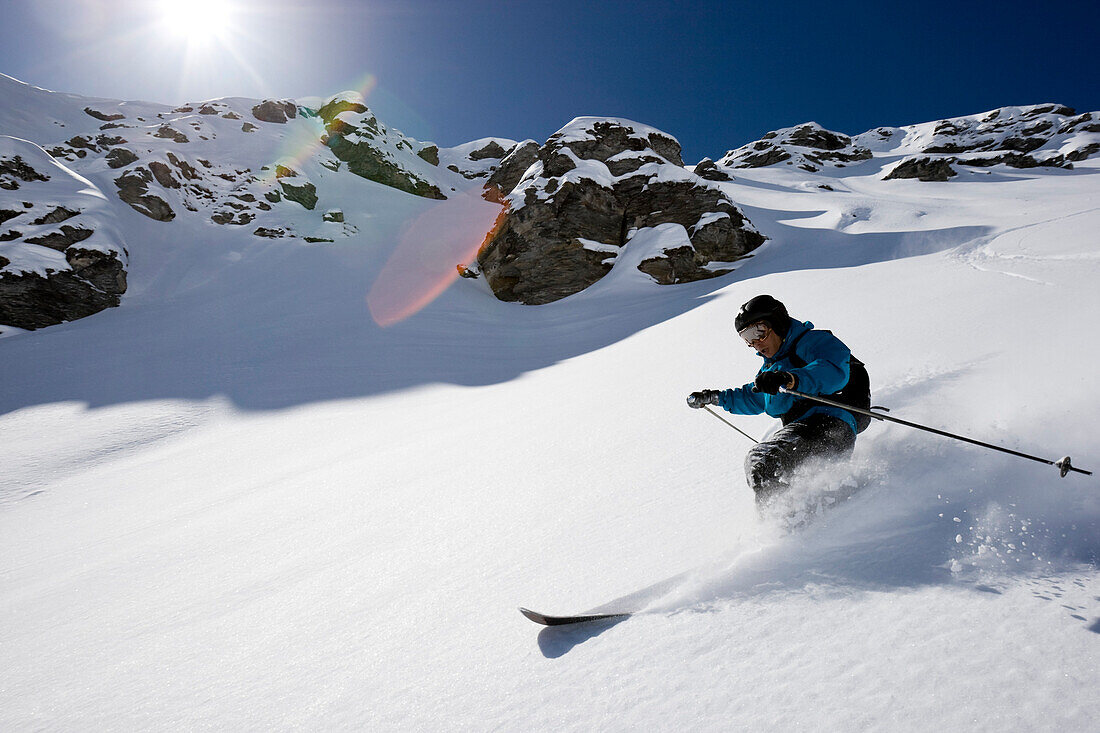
(196, 20)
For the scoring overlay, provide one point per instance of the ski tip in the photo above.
(547, 620)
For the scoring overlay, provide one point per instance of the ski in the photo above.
(545, 620)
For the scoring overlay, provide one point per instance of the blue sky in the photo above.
(714, 74)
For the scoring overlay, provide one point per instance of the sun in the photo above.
(196, 21)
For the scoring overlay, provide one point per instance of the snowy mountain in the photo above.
(1048, 135)
(299, 483)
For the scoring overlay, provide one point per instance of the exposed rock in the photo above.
(163, 174)
(59, 272)
(14, 169)
(334, 215)
(80, 141)
(1073, 124)
(923, 169)
(56, 216)
(1055, 109)
(570, 215)
(303, 193)
(189, 172)
(814, 136)
(1084, 152)
(1019, 137)
(514, 165)
(270, 233)
(170, 133)
(236, 218)
(625, 163)
(1022, 144)
(492, 150)
(133, 188)
(429, 153)
(32, 301)
(1014, 160)
(61, 240)
(102, 269)
(808, 146)
(708, 169)
(356, 137)
(275, 111)
(762, 155)
(103, 116)
(248, 127)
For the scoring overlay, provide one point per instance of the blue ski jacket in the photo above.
(825, 372)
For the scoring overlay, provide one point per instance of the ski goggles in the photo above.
(755, 332)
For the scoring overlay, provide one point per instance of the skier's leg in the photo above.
(769, 465)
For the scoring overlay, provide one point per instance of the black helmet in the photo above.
(767, 309)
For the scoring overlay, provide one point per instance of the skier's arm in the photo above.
(827, 369)
(741, 401)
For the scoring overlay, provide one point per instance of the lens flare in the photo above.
(424, 264)
(299, 147)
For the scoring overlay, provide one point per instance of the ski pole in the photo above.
(1064, 465)
(727, 422)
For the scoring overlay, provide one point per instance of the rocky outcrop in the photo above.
(923, 169)
(120, 158)
(104, 116)
(429, 153)
(51, 271)
(497, 160)
(708, 169)
(13, 170)
(809, 146)
(170, 133)
(513, 165)
(275, 111)
(296, 188)
(592, 188)
(1045, 135)
(370, 150)
(491, 150)
(133, 188)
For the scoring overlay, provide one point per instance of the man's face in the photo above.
(761, 337)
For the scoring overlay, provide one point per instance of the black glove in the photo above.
(770, 382)
(704, 398)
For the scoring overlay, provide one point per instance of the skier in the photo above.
(795, 357)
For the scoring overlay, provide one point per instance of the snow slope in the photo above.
(238, 503)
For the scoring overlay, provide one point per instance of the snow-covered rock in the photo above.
(371, 149)
(591, 189)
(809, 146)
(497, 161)
(61, 255)
(1042, 135)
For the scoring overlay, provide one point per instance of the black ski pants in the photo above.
(769, 465)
